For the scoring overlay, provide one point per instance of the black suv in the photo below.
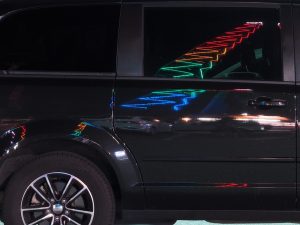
(147, 111)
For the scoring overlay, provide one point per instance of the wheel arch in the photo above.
(91, 153)
(98, 145)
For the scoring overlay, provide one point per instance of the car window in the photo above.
(70, 38)
(213, 43)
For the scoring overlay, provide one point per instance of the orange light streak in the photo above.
(23, 132)
(221, 45)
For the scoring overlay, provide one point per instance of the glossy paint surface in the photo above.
(200, 145)
(52, 114)
(208, 144)
(189, 144)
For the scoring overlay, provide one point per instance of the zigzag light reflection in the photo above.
(80, 128)
(203, 57)
(177, 99)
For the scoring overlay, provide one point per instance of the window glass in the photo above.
(213, 43)
(73, 38)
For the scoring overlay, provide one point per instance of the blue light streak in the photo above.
(177, 99)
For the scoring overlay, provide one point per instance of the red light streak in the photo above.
(233, 185)
(218, 47)
(23, 132)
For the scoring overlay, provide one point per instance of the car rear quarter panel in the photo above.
(40, 112)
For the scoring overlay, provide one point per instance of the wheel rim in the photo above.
(57, 199)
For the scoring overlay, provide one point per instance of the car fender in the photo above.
(15, 145)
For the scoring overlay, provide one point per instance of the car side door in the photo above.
(213, 103)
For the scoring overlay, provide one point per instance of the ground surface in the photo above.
(201, 222)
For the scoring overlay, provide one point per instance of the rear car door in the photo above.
(205, 100)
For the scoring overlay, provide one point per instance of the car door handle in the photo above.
(267, 103)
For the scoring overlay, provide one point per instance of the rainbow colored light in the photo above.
(80, 128)
(177, 99)
(202, 58)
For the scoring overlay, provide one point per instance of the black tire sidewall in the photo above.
(66, 163)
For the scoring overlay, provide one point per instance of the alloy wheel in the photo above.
(57, 199)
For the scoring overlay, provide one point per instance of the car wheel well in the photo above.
(92, 154)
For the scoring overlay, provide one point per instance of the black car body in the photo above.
(188, 108)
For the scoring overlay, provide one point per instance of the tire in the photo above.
(96, 200)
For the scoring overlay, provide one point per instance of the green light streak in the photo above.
(181, 69)
(206, 68)
(185, 69)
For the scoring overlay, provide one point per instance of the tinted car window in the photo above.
(213, 43)
(60, 39)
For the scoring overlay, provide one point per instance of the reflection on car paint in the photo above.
(242, 90)
(80, 128)
(23, 132)
(175, 98)
(213, 114)
(11, 138)
(83, 125)
(233, 185)
(121, 155)
(202, 119)
(194, 63)
(143, 124)
(178, 99)
(274, 121)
